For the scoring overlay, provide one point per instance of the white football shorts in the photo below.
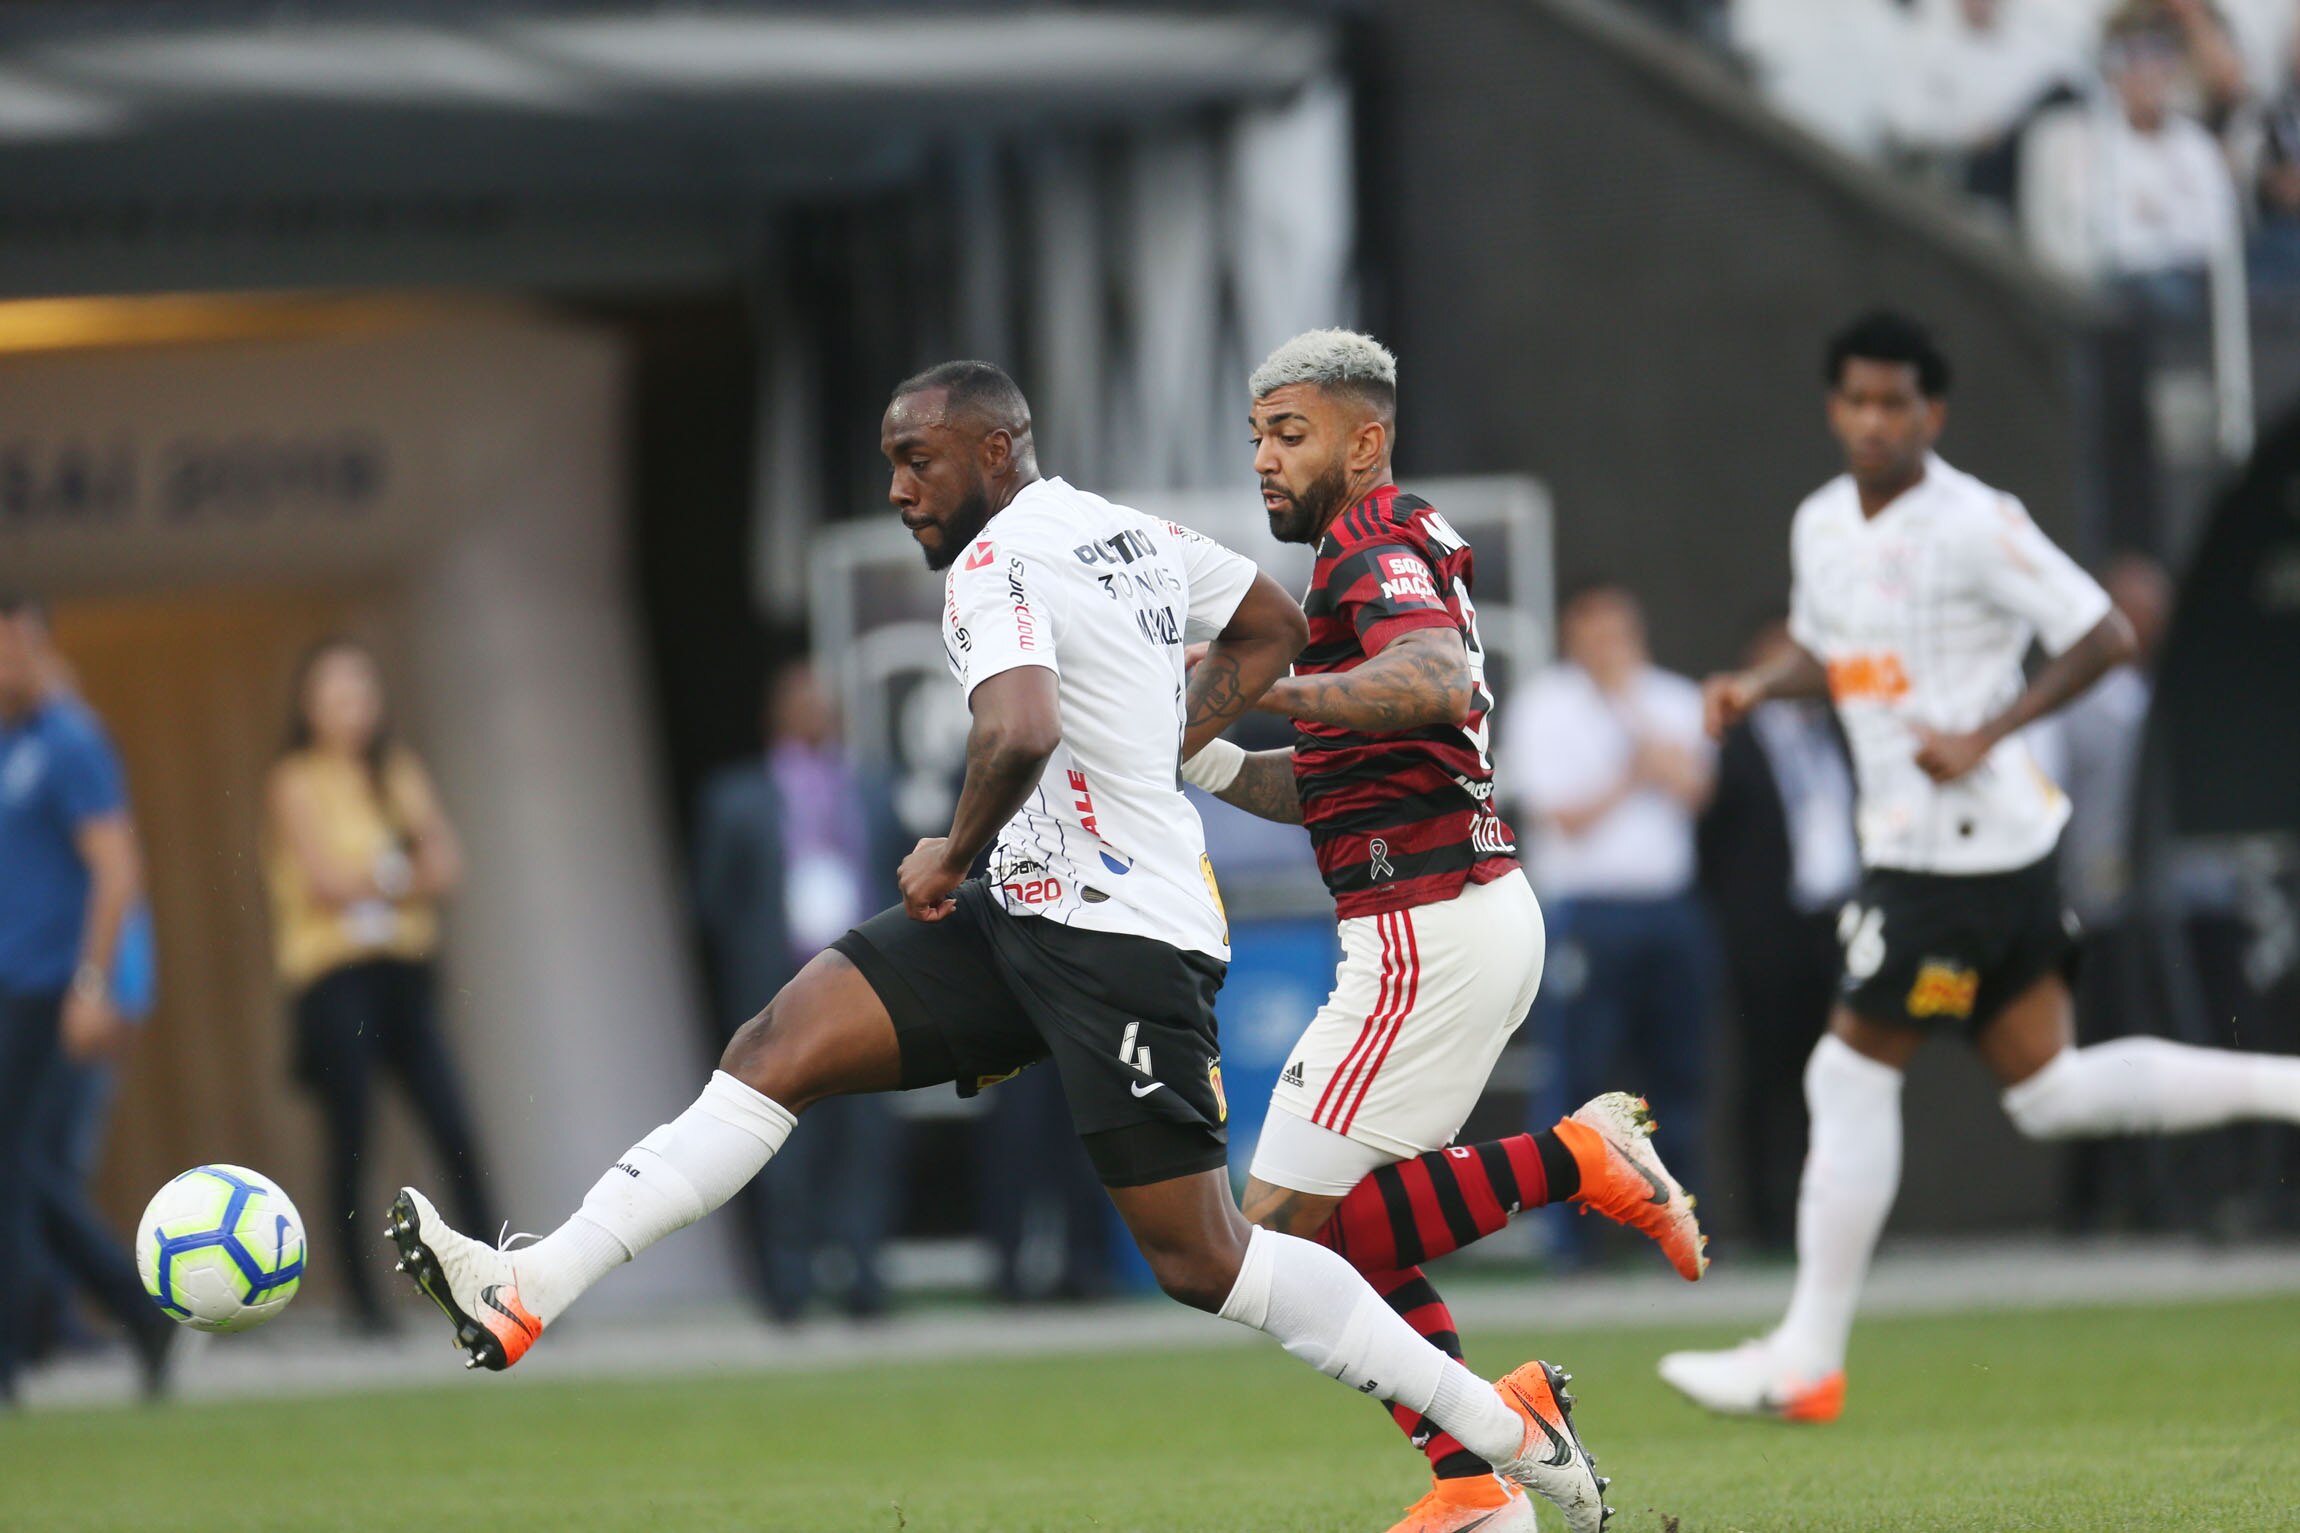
(1393, 1062)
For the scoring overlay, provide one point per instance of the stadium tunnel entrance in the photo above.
(203, 488)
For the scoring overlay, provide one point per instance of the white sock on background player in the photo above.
(1852, 1171)
(664, 1183)
(1319, 1309)
(2152, 1086)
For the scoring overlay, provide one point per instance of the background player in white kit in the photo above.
(1916, 592)
(1096, 941)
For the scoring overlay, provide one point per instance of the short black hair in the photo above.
(21, 604)
(980, 389)
(1881, 335)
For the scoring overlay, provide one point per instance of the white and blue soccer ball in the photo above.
(221, 1248)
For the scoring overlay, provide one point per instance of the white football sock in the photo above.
(665, 1182)
(1321, 1310)
(1852, 1171)
(2152, 1086)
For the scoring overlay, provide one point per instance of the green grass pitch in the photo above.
(2144, 1418)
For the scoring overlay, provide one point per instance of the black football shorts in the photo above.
(1951, 950)
(1128, 1021)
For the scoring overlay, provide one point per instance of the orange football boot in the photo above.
(1552, 1463)
(1484, 1503)
(1611, 1138)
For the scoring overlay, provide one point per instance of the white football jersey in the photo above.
(1104, 597)
(1923, 616)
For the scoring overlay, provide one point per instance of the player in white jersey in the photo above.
(1917, 591)
(1097, 940)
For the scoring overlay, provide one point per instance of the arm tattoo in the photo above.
(1265, 786)
(999, 781)
(1215, 695)
(1417, 680)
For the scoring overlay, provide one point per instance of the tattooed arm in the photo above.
(1265, 786)
(1254, 649)
(1420, 677)
(1017, 725)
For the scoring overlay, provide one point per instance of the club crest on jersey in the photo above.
(1944, 989)
(1405, 578)
(982, 555)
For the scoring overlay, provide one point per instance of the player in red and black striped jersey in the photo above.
(1403, 816)
(1441, 936)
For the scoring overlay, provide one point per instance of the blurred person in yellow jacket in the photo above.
(358, 853)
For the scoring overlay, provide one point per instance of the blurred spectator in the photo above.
(357, 854)
(2138, 195)
(75, 1103)
(2275, 255)
(792, 849)
(2208, 78)
(1971, 74)
(1778, 861)
(1607, 753)
(73, 873)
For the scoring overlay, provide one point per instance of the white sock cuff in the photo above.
(738, 1106)
(1838, 1068)
(1249, 1300)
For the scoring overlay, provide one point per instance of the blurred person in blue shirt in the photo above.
(794, 847)
(70, 875)
(75, 1104)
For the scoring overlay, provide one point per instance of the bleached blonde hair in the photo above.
(1334, 359)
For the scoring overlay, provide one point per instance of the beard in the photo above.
(1300, 518)
(970, 517)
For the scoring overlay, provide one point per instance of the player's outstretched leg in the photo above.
(1602, 1157)
(1852, 1172)
(1319, 1309)
(826, 1034)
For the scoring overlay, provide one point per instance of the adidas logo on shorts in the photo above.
(1293, 1075)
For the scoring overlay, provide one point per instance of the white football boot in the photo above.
(470, 1280)
(1552, 1463)
(1750, 1380)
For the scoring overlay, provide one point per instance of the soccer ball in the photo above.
(220, 1248)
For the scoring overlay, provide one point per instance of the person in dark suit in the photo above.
(792, 848)
(1778, 860)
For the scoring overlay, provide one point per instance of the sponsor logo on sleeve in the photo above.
(983, 553)
(1405, 578)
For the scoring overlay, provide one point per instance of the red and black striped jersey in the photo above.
(1404, 819)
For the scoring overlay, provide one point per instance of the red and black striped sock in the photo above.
(1408, 1213)
(1410, 1294)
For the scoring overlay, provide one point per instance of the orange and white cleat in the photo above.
(1553, 1464)
(1622, 1177)
(470, 1280)
(1480, 1503)
(1749, 1380)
